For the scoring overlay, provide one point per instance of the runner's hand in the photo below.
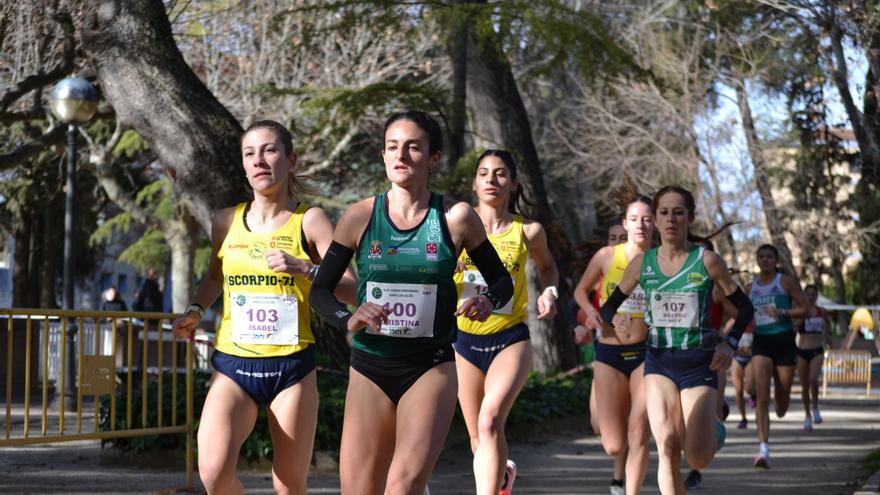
(477, 308)
(722, 357)
(546, 306)
(280, 262)
(622, 322)
(594, 320)
(368, 315)
(582, 335)
(185, 326)
(460, 267)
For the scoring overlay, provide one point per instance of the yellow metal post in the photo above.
(79, 358)
(45, 352)
(113, 395)
(189, 415)
(27, 379)
(173, 380)
(8, 375)
(159, 363)
(144, 392)
(62, 376)
(97, 352)
(129, 390)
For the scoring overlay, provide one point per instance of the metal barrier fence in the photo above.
(100, 363)
(846, 367)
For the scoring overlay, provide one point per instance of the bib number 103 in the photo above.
(263, 315)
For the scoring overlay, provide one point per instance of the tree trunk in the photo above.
(178, 234)
(499, 119)
(762, 180)
(457, 48)
(22, 289)
(145, 78)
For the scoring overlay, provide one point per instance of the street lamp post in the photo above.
(74, 101)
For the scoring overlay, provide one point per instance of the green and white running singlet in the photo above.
(410, 272)
(679, 307)
(768, 296)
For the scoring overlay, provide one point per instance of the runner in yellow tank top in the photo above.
(263, 258)
(618, 372)
(493, 358)
(251, 288)
(513, 250)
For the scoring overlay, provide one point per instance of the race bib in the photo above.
(762, 314)
(268, 319)
(411, 306)
(675, 309)
(636, 303)
(815, 324)
(474, 284)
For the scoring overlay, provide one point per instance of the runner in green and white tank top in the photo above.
(402, 380)
(678, 306)
(682, 361)
(409, 272)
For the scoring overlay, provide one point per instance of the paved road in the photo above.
(568, 460)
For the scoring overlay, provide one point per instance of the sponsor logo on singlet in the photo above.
(257, 248)
(695, 278)
(375, 251)
(431, 251)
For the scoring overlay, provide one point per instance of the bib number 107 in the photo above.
(674, 307)
(263, 315)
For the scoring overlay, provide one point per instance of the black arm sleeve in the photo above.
(744, 313)
(498, 281)
(609, 309)
(321, 297)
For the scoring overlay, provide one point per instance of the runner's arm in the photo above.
(717, 269)
(536, 239)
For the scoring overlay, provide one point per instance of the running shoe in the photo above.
(743, 425)
(692, 482)
(509, 478)
(817, 418)
(720, 435)
(808, 424)
(762, 462)
(752, 402)
(617, 490)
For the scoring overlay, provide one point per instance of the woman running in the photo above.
(265, 254)
(741, 373)
(684, 352)
(402, 382)
(493, 357)
(811, 338)
(618, 370)
(776, 298)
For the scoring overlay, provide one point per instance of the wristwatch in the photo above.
(553, 291)
(197, 308)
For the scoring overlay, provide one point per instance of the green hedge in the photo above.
(542, 399)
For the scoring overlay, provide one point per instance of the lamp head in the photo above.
(74, 100)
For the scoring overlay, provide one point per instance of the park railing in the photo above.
(68, 357)
(846, 367)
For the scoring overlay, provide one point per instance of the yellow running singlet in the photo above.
(264, 313)
(635, 305)
(512, 249)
